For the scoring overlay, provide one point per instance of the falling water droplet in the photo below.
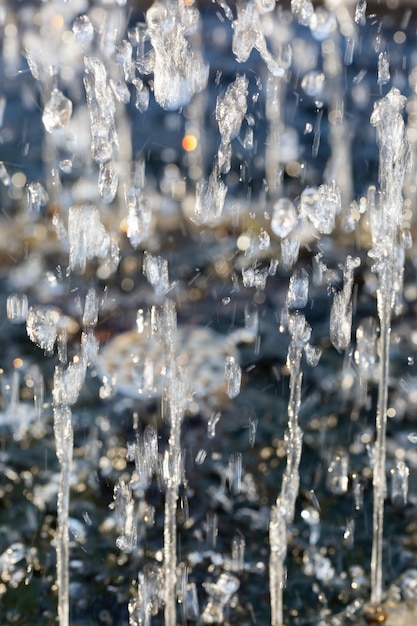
(284, 217)
(399, 484)
(17, 308)
(312, 83)
(57, 111)
(232, 376)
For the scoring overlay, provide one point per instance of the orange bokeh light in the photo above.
(189, 143)
(57, 21)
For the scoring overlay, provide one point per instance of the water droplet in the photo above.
(232, 376)
(83, 29)
(57, 111)
(312, 83)
(384, 75)
(360, 12)
(17, 308)
(284, 217)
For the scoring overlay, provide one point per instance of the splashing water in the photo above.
(179, 69)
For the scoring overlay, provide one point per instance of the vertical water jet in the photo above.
(385, 220)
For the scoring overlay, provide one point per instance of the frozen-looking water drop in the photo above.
(303, 11)
(340, 322)
(57, 111)
(264, 240)
(265, 6)
(395, 163)
(201, 457)
(68, 382)
(255, 277)
(87, 236)
(210, 197)
(407, 239)
(321, 206)
(192, 609)
(83, 29)
(313, 354)
(65, 166)
(248, 139)
(42, 327)
(384, 75)
(179, 68)
(408, 584)
(232, 376)
(337, 474)
(4, 175)
(251, 320)
(253, 427)
(220, 594)
(234, 472)
(211, 425)
(120, 90)
(101, 105)
(341, 311)
(399, 484)
(139, 219)
(365, 353)
(322, 23)
(298, 290)
(230, 112)
(149, 596)
(37, 197)
(123, 53)
(360, 12)
(284, 217)
(124, 508)
(290, 248)
(107, 182)
(17, 308)
(144, 452)
(142, 95)
(13, 564)
(90, 315)
(156, 272)
(139, 212)
(248, 34)
(312, 83)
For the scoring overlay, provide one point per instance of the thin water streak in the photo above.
(64, 450)
(175, 413)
